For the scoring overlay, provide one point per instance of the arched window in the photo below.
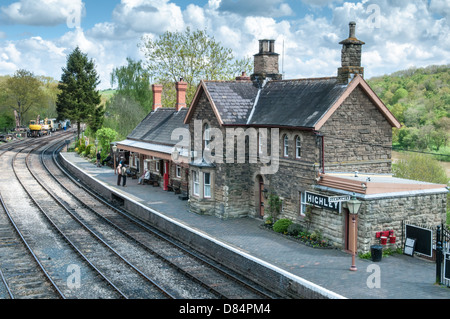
(298, 147)
(285, 146)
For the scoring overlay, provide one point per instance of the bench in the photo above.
(153, 180)
(175, 186)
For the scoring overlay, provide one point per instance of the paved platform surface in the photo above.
(400, 276)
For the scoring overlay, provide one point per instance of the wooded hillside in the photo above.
(420, 99)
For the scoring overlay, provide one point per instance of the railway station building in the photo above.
(307, 141)
(149, 147)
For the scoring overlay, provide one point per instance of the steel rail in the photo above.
(87, 228)
(163, 237)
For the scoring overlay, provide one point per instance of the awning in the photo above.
(150, 149)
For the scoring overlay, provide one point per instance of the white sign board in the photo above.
(334, 199)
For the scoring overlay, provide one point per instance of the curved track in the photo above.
(90, 249)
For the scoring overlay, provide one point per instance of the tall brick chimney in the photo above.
(181, 87)
(350, 57)
(157, 92)
(266, 61)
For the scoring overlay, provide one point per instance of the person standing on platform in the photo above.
(124, 175)
(119, 173)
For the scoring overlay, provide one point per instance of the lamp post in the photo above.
(114, 149)
(353, 208)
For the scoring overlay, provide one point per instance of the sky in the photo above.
(38, 35)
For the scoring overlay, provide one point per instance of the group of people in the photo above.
(121, 171)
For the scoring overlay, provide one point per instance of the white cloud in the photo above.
(412, 33)
(40, 12)
(262, 8)
(155, 16)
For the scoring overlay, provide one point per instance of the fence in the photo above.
(443, 255)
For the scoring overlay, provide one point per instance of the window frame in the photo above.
(195, 183)
(298, 147)
(285, 145)
(206, 185)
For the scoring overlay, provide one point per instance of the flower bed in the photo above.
(296, 233)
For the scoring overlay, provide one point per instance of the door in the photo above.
(166, 176)
(261, 196)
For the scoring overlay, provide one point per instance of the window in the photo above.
(207, 185)
(298, 147)
(196, 183)
(178, 171)
(207, 136)
(302, 209)
(157, 166)
(285, 146)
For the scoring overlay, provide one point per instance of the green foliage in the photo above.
(420, 100)
(420, 167)
(78, 98)
(282, 225)
(23, 93)
(123, 114)
(105, 137)
(133, 82)
(191, 55)
(294, 229)
(274, 205)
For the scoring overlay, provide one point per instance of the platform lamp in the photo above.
(114, 149)
(353, 206)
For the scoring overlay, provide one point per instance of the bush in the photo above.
(294, 229)
(282, 225)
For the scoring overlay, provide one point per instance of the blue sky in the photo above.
(37, 35)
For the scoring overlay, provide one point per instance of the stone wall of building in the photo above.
(389, 214)
(358, 137)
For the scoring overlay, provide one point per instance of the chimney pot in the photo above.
(352, 32)
(157, 90)
(243, 77)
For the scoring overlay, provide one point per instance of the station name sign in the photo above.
(332, 203)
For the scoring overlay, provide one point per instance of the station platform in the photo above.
(400, 276)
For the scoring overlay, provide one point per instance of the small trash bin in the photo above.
(376, 251)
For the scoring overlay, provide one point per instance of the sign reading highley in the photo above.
(322, 201)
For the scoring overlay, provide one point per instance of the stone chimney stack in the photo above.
(266, 61)
(350, 57)
(181, 87)
(157, 92)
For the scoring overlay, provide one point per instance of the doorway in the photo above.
(260, 200)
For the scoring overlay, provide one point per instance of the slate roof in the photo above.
(233, 100)
(292, 103)
(296, 103)
(157, 127)
(300, 103)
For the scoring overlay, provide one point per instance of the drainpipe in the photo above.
(322, 150)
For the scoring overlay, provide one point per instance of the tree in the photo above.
(420, 167)
(133, 81)
(23, 92)
(191, 55)
(105, 137)
(123, 114)
(78, 98)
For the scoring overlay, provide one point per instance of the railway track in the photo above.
(118, 255)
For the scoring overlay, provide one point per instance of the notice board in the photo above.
(423, 237)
